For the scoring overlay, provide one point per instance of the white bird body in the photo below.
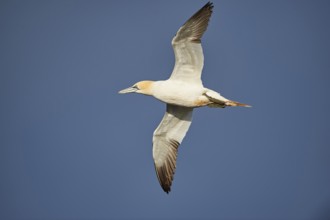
(182, 92)
(178, 92)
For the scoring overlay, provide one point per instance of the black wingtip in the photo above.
(166, 189)
(209, 5)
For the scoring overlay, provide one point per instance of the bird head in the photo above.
(143, 87)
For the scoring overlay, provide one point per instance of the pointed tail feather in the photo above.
(234, 103)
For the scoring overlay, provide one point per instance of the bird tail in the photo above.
(234, 103)
(218, 101)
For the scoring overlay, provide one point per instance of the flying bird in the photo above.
(182, 92)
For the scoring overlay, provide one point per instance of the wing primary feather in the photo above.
(165, 173)
(196, 25)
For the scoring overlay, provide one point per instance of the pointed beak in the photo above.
(128, 90)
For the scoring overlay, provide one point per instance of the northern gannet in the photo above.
(182, 92)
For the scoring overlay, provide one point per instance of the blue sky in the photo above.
(72, 148)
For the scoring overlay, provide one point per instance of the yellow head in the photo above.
(143, 87)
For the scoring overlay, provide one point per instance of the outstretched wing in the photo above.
(189, 58)
(166, 140)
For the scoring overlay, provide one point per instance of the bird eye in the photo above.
(135, 87)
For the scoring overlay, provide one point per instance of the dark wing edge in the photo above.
(165, 173)
(194, 28)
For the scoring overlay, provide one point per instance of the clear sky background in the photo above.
(72, 148)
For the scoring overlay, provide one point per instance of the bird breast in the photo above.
(179, 93)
